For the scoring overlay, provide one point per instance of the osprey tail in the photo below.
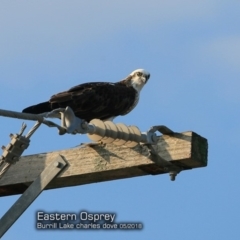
(39, 108)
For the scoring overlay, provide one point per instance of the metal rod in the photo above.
(25, 116)
(33, 129)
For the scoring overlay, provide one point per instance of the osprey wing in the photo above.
(96, 100)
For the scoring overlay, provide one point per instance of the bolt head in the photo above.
(57, 164)
(172, 176)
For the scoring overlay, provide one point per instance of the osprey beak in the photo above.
(146, 80)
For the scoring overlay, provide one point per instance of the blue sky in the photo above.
(192, 50)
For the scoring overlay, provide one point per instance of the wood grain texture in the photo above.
(89, 164)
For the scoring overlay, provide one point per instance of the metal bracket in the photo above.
(69, 122)
(162, 129)
(172, 169)
(151, 136)
(13, 151)
(32, 192)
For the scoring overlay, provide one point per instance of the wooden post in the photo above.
(89, 164)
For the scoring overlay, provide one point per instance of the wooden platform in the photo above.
(90, 164)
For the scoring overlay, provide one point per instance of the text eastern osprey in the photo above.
(101, 100)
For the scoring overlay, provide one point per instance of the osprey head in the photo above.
(138, 78)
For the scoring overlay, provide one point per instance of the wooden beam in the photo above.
(89, 164)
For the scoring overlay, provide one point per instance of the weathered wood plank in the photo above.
(102, 163)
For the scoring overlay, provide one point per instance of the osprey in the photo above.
(101, 100)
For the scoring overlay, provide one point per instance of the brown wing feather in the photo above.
(96, 100)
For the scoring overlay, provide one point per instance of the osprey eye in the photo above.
(139, 74)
